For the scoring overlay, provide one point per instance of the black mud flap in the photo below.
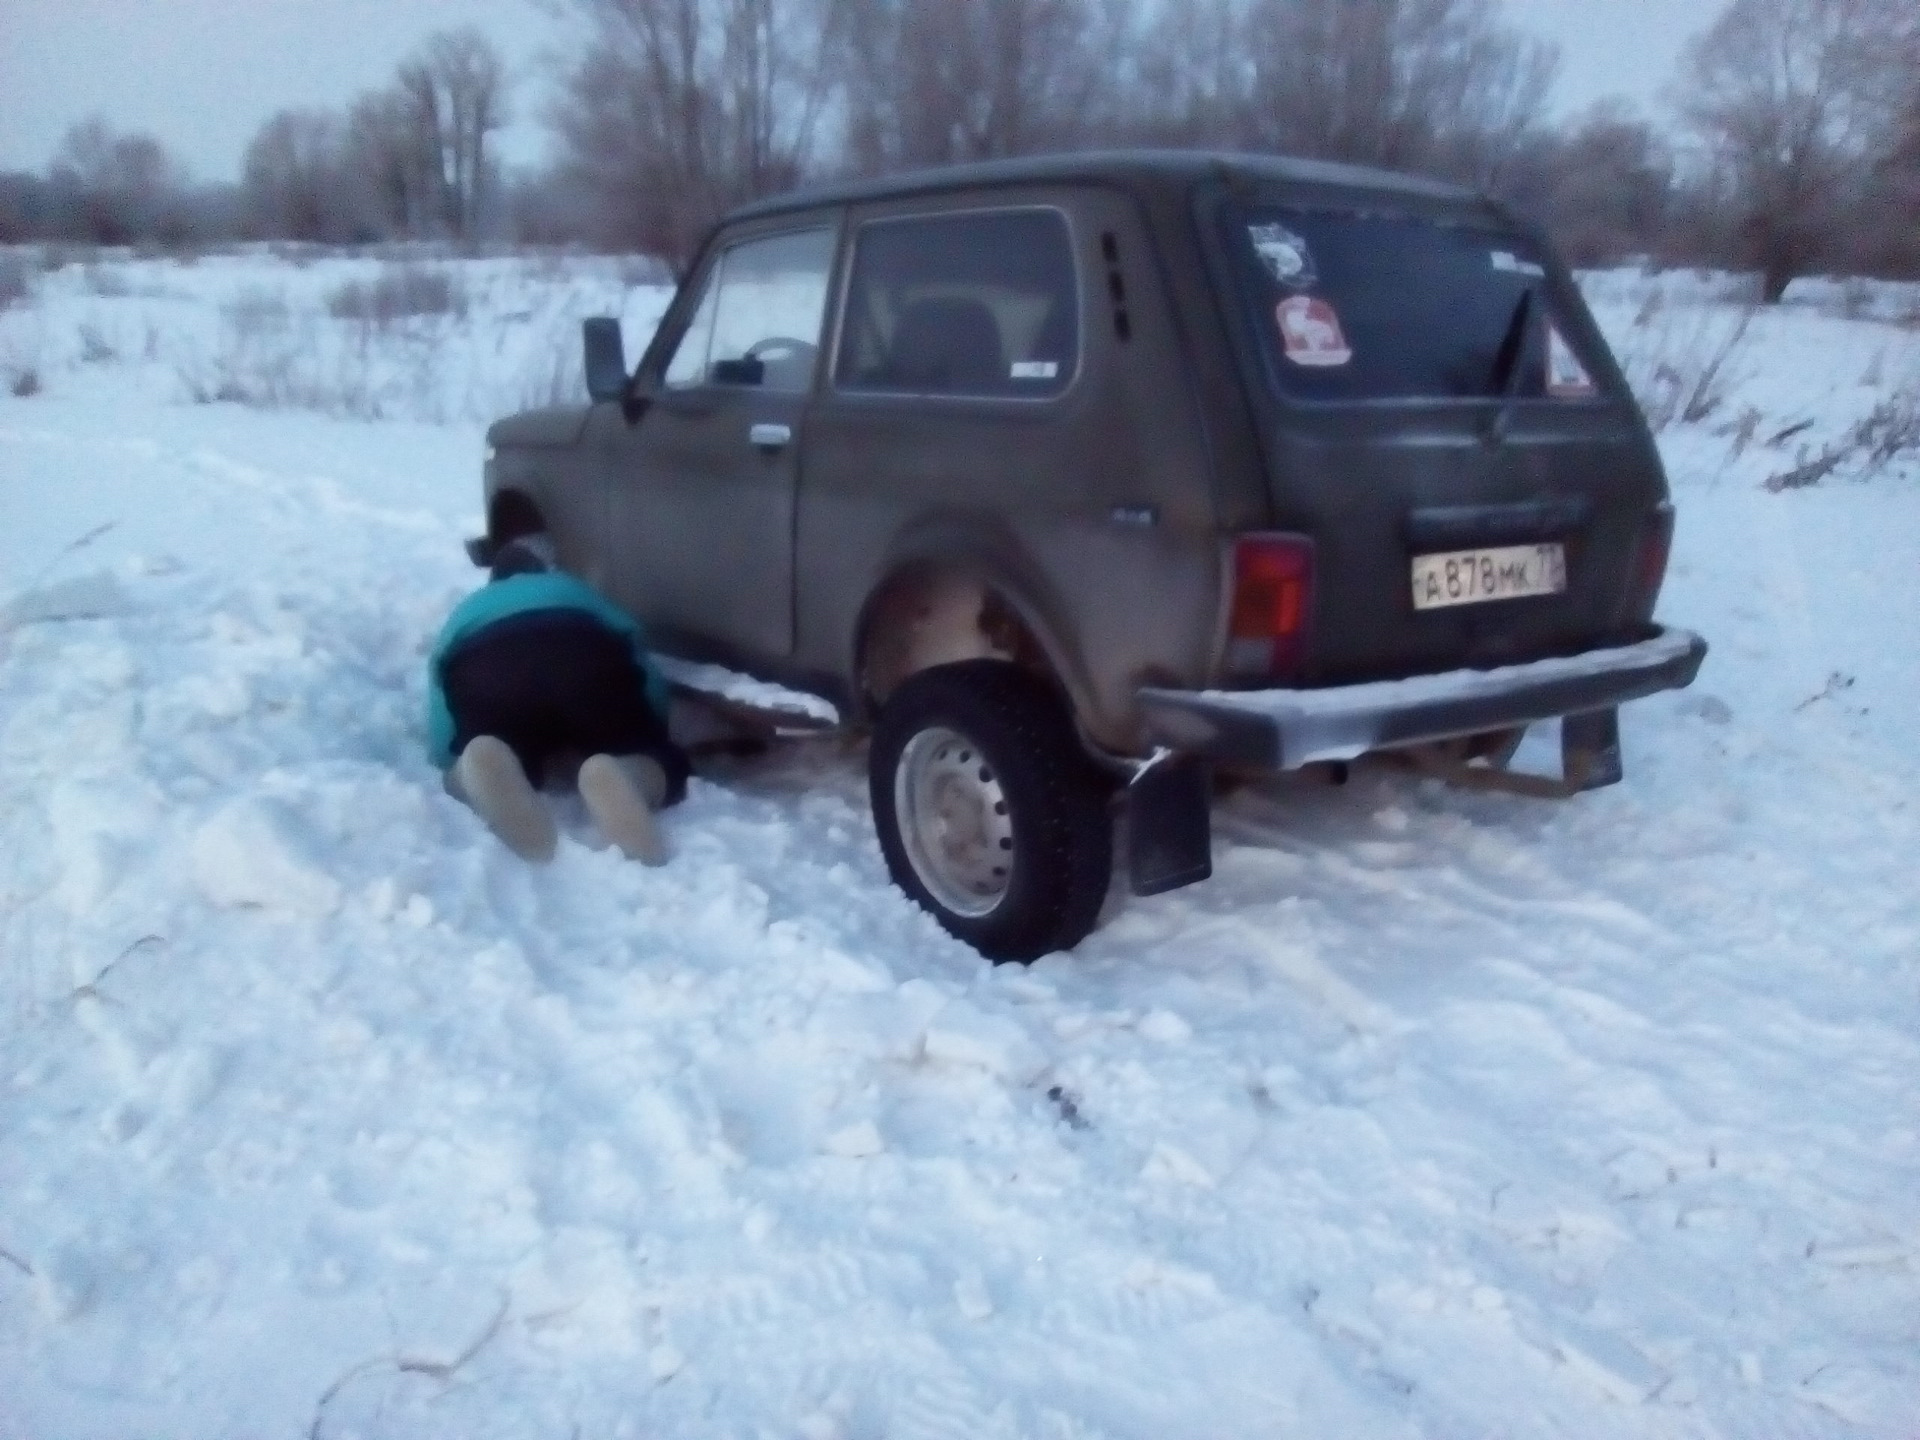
(1590, 750)
(1169, 827)
(480, 550)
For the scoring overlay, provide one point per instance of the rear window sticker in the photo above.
(1567, 378)
(1284, 254)
(1512, 264)
(1035, 369)
(1310, 329)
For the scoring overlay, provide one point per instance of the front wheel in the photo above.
(989, 813)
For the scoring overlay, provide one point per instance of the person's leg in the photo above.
(619, 793)
(502, 733)
(604, 701)
(489, 777)
(550, 684)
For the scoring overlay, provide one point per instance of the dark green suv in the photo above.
(1088, 476)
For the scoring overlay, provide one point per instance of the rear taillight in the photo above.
(1650, 561)
(1272, 605)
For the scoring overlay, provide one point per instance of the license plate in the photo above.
(1505, 572)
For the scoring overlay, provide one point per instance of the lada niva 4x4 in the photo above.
(1081, 480)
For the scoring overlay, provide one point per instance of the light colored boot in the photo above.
(621, 794)
(490, 779)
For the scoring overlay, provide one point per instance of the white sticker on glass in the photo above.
(1035, 369)
(1512, 264)
(1284, 254)
(1310, 329)
(1567, 378)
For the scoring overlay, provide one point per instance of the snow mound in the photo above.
(260, 853)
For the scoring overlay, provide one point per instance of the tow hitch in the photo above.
(1589, 760)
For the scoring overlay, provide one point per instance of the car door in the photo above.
(702, 488)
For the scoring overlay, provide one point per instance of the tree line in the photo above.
(1794, 145)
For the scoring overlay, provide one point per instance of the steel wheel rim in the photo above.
(955, 821)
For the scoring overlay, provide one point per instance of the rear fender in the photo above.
(955, 591)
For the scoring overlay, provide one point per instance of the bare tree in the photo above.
(293, 179)
(397, 180)
(1442, 86)
(1787, 97)
(931, 81)
(1893, 208)
(679, 109)
(1604, 187)
(453, 97)
(122, 187)
(1192, 76)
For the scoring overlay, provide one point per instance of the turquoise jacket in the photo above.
(516, 595)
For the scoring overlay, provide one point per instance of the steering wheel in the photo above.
(801, 349)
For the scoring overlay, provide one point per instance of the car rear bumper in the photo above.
(1286, 729)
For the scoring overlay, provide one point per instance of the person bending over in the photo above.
(538, 681)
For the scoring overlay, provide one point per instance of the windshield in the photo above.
(1382, 307)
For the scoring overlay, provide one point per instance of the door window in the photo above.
(983, 303)
(758, 320)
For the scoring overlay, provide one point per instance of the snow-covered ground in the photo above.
(1433, 1114)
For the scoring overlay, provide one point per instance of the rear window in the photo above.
(1386, 307)
(978, 304)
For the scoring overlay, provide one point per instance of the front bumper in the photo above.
(1286, 729)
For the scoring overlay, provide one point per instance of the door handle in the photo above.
(770, 436)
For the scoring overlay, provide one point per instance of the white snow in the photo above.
(797, 706)
(1432, 1114)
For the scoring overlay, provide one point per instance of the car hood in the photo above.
(555, 427)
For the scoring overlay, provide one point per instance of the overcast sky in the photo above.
(202, 74)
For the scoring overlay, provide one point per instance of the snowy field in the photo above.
(1432, 1115)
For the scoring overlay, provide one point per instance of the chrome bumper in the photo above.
(1286, 729)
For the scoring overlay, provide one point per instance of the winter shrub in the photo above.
(1680, 359)
(1856, 299)
(255, 309)
(25, 382)
(1889, 432)
(104, 281)
(555, 376)
(95, 348)
(13, 280)
(416, 336)
(399, 292)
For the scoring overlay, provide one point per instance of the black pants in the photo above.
(556, 685)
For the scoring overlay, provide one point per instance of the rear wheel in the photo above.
(989, 813)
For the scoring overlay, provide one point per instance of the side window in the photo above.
(758, 320)
(973, 304)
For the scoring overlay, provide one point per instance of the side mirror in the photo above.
(606, 355)
(747, 370)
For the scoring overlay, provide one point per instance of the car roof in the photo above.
(1132, 169)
